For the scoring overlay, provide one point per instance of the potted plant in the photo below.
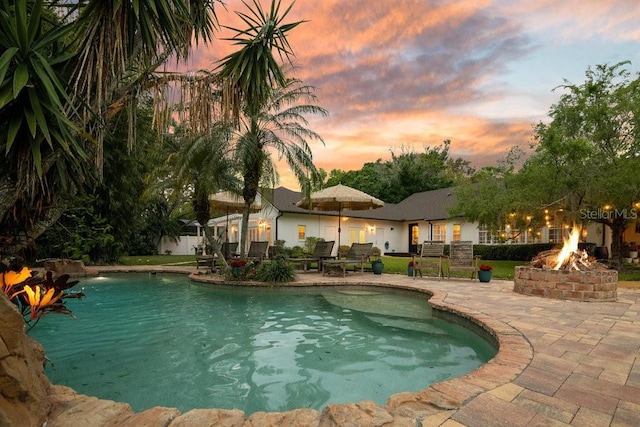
(410, 269)
(377, 266)
(484, 273)
(376, 261)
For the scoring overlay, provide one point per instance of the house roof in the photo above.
(426, 205)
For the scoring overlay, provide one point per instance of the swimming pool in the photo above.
(162, 340)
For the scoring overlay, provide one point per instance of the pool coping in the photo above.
(473, 398)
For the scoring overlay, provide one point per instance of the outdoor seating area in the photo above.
(228, 250)
(357, 256)
(321, 252)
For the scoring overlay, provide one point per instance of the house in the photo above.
(395, 228)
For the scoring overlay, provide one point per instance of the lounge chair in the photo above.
(229, 249)
(431, 255)
(461, 258)
(321, 252)
(257, 251)
(358, 255)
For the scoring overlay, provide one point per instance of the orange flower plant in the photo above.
(35, 296)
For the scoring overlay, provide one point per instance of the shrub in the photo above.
(297, 252)
(343, 249)
(240, 269)
(277, 270)
(310, 244)
(375, 252)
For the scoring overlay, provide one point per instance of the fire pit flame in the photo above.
(567, 258)
(569, 252)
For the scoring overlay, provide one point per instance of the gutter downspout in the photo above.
(276, 226)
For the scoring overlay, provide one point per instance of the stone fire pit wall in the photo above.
(595, 285)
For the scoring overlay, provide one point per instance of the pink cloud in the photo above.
(417, 72)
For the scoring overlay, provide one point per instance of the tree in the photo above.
(254, 89)
(62, 79)
(249, 74)
(115, 204)
(584, 162)
(496, 196)
(280, 125)
(201, 166)
(591, 147)
(406, 173)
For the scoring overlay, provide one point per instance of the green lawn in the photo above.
(159, 260)
(501, 269)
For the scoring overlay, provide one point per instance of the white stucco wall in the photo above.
(266, 225)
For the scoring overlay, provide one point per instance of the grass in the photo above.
(392, 265)
(186, 260)
(501, 269)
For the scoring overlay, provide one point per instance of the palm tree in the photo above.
(249, 74)
(255, 92)
(202, 166)
(279, 127)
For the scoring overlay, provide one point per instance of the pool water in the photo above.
(162, 340)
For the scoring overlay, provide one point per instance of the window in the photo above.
(484, 237)
(302, 232)
(415, 234)
(483, 234)
(440, 232)
(555, 235)
(357, 235)
(456, 232)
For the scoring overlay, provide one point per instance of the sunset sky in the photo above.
(417, 72)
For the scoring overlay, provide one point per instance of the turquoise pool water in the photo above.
(162, 340)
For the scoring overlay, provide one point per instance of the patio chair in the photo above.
(321, 252)
(228, 250)
(272, 252)
(461, 258)
(205, 261)
(431, 254)
(257, 251)
(358, 255)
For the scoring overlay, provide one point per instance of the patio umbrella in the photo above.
(340, 197)
(228, 200)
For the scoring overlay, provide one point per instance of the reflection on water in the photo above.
(162, 341)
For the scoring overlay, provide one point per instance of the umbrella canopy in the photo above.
(340, 197)
(227, 200)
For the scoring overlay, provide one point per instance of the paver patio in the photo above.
(582, 365)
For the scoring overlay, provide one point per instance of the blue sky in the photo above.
(411, 73)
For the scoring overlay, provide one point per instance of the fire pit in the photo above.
(567, 273)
